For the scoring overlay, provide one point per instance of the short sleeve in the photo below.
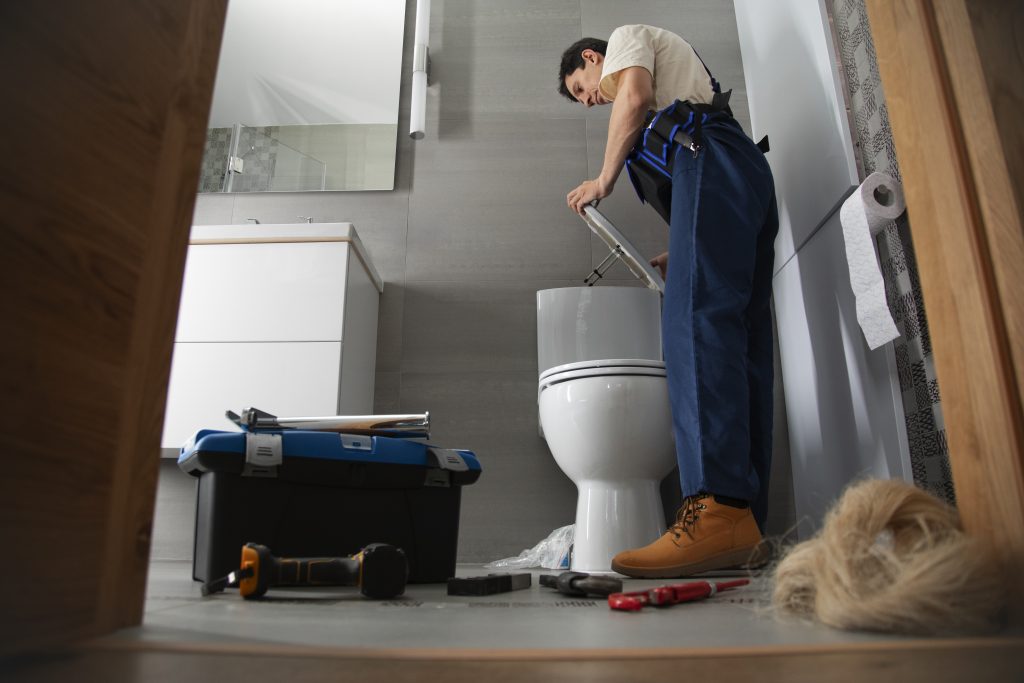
(627, 46)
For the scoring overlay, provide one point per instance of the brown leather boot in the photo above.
(707, 535)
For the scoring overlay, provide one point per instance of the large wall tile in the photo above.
(381, 219)
(213, 209)
(472, 327)
(516, 503)
(387, 393)
(390, 319)
(522, 494)
(488, 203)
(494, 59)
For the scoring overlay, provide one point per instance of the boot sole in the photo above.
(733, 558)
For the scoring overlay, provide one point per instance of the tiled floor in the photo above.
(426, 617)
(528, 635)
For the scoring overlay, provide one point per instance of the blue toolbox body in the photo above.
(324, 494)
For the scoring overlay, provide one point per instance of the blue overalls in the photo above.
(716, 321)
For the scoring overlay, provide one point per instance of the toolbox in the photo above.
(324, 494)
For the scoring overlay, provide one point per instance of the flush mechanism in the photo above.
(602, 268)
(620, 249)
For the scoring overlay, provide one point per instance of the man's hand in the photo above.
(661, 263)
(588, 191)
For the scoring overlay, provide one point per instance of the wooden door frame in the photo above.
(952, 85)
(106, 127)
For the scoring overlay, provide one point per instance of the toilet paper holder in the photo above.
(875, 203)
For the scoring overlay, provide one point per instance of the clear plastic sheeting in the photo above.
(554, 552)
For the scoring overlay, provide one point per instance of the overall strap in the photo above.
(762, 144)
(715, 85)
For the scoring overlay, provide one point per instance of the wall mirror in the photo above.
(306, 97)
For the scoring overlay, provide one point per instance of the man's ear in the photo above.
(591, 56)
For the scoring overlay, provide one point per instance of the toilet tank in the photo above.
(593, 323)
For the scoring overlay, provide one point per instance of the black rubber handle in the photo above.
(380, 571)
(316, 571)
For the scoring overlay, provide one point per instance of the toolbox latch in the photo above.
(263, 453)
(436, 477)
(355, 442)
(448, 459)
(443, 461)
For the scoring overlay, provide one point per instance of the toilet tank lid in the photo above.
(608, 363)
(623, 248)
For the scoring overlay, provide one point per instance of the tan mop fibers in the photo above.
(892, 558)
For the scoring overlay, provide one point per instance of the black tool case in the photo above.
(323, 494)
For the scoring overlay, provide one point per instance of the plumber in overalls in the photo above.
(673, 132)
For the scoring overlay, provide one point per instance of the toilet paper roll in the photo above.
(877, 202)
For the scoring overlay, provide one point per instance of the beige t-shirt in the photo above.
(677, 70)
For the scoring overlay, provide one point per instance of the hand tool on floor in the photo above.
(380, 571)
(488, 585)
(663, 596)
(578, 584)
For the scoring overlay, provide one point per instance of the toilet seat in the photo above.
(601, 368)
(605, 363)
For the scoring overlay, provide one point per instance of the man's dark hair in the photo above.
(572, 59)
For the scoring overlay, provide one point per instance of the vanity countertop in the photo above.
(262, 233)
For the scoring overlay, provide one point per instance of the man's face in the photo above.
(583, 83)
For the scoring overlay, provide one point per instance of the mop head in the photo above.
(892, 558)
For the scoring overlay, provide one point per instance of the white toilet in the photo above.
(604, 410)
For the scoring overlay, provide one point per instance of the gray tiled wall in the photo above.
(476, 225)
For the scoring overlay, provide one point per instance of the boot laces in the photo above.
(688, 516)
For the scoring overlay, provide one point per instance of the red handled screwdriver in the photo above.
(662, 596)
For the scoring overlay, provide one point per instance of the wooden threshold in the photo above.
(906, 660)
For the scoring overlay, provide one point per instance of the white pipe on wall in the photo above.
(417, 114)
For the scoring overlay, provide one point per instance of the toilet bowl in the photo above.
(603, 400)
(609, 427)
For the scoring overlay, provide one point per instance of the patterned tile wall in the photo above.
(257, 146)
(215, 159)
(922, 405)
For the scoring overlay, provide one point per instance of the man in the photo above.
(714, 186)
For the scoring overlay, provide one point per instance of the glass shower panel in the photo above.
(259, 162)
(297, 172)
(253, 159)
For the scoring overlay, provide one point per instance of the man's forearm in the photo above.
(635, 97)
(626, 122)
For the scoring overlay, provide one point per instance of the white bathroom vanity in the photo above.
(280, 317)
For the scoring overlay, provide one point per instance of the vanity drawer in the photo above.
(284, 378)
(264, 292)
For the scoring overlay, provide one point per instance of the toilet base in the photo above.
(612, 517)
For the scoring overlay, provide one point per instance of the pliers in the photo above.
(579, 584)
